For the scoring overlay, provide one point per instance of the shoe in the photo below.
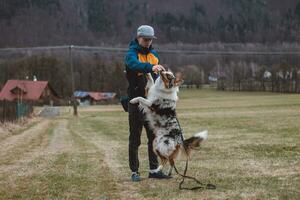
(135, 177)
(159, 175)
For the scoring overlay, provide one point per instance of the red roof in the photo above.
(96, 95)
(31, 90)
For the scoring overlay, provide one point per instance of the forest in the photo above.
(111, 22)
(245, 45)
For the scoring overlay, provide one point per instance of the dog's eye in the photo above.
(169, 76)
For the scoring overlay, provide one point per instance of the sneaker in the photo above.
(159, 175)
(135, 177)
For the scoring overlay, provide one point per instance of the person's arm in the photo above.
(132, 62)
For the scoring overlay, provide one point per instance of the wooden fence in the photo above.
(11, 111)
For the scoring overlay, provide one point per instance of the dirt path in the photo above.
(38, 147)
(61, 141)
(25, 137)
(46, 147)
(127, 189)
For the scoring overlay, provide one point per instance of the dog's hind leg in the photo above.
(172, 163)
(172, 158)
(163, 160)
(160, 167)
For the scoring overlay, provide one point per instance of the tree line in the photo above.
(96, 74)
(104, 71)
(96, 22)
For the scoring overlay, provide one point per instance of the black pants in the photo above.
(136, 123)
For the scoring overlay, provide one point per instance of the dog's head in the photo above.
(170, 80)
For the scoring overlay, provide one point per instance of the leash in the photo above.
(201, 185)
(208, 186)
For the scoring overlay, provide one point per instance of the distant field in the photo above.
(253, 151)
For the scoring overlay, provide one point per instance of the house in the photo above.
(38, 92)
(89, 98)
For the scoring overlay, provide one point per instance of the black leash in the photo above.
(208, 186)
(202, 185)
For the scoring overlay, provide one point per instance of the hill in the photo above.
(112, 22)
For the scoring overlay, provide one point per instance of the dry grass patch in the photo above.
(252, 152)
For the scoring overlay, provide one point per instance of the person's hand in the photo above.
(157, 68)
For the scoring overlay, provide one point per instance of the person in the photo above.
(141, 59)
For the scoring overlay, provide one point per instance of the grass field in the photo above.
(253, 152)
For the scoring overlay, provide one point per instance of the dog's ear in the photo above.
(178, 82)
(179, 79)
(166, 67)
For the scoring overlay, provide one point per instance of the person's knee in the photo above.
(134, 145)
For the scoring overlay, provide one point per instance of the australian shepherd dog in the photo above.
(159, 108)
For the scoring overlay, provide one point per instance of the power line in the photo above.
(120, 49)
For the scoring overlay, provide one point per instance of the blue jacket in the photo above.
(138, 62)
(139, 58)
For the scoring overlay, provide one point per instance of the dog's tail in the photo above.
(194, 141)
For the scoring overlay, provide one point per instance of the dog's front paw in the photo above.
(134, 101)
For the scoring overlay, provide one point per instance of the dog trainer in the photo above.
(140, 60)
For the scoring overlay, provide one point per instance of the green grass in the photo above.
(253, 152)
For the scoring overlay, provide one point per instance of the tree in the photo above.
(193, 75)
